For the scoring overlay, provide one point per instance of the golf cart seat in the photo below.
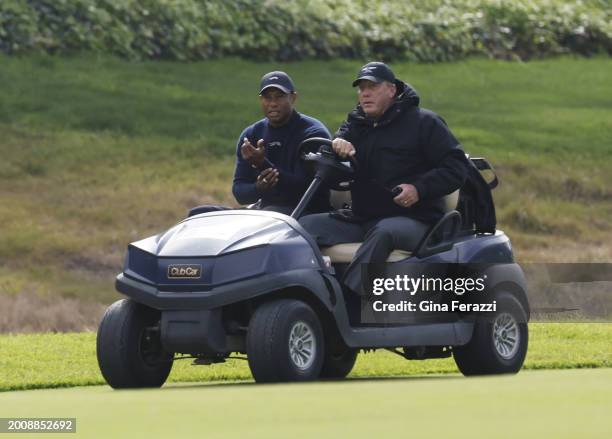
(343, 253)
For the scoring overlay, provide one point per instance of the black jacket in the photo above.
(407, 144)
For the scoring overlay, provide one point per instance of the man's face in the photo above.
(277, 105)
(375, 97)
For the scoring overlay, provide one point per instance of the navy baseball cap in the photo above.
(277, 79)
(375, 72)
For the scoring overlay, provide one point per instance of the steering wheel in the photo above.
(324, 162)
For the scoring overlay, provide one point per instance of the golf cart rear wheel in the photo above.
(499, 343)
(285, 342)
(129, 349)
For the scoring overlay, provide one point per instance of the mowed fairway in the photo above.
(532, 404)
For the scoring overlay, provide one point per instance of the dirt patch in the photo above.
(28, 312)
(565, 252)
(101, 267)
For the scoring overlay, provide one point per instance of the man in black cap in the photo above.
(398, 146)
(268, 167)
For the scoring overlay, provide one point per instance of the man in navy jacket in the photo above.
(268, 167)
(397, 145)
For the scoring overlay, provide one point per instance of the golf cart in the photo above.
(254, 283)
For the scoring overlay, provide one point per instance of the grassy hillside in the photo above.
(64, 360)
(96, 152)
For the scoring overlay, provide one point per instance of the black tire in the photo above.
(268, 339)
(129, 356)
(481, 356)
(339, 360)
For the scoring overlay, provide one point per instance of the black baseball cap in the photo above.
(277, 79)
(375, 72)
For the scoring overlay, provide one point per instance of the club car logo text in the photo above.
(184, 271)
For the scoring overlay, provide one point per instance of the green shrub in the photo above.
(187, 30)
(18, 26)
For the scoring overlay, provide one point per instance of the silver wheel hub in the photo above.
(506, 335)
(302, 345)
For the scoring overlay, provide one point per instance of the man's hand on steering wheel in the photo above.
(343, 148)
(408, 196)
(327, 160)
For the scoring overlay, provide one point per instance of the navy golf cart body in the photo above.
(254, 282)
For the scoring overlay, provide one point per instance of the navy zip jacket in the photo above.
(407, 144)
(281, 152)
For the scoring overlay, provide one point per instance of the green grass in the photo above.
(97, 152)
(64, 360)
(532, 404)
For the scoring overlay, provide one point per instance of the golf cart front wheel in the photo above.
(285, 342)
(129, 349)
(499, 342)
